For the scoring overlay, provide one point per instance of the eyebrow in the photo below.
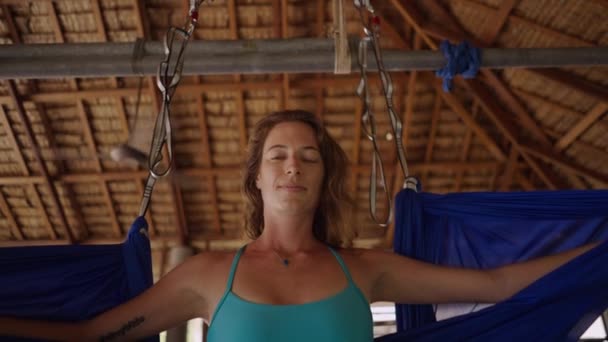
(283, 146)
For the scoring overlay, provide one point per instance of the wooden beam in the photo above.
(466, 147)
(80, 228)
(555, 106)
(277, 23)
(319, 104)
(320, 24)
(208, 162)
(13, 141)
(58, 33)
(357, 145)
(500, 18)
(558, 35)
(88, 135)
(182, 224)
(14, 95)
(557, 160)
(320, 32)
(122, 117)
(43, 213)
(507, 177)
(432, 134)
(217, 220)
(440, 15)
(389, 30)
(498, 116)
(284, 35)
(6, 211)
(467, 118)
(240, 101)
(10, 23)
(441, 32)
(232, 22)
(524, 118)
(413, 17)
(410, 98)
(575, 82)
(558, 135)
(142, 24)
(101, 29)
(581, 126)
(56, 26)
(202, 124)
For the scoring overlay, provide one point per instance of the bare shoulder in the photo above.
(364, 255)
(206, 273)
(363, 266)
(364, 260)
(210, 264)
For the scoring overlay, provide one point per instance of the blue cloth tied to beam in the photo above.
(462, 59)
(74, 282)
(486, 230)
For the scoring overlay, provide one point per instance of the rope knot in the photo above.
(463, 59)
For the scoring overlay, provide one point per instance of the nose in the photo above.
(293, 166)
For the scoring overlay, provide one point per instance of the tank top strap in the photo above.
(235, 262)
(342, 265)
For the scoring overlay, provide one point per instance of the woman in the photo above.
(294, 281)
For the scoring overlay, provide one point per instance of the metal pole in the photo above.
(307, 55)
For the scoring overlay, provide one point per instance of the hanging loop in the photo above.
(371, 29)
(168, 76)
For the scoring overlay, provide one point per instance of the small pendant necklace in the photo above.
(284, 261)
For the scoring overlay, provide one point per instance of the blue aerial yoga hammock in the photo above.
(484, 230)
(74, 283)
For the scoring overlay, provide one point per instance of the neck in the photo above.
(289, 234)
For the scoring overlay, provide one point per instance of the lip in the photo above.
(293, 188)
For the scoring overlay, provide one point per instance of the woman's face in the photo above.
(291, 171)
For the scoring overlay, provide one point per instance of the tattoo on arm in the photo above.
(123, 330)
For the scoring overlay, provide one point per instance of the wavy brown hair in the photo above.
(330, 224)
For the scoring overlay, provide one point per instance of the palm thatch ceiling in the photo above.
(507, 130)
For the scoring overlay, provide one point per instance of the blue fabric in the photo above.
(485, 230)
(462, 59)
(75, 282)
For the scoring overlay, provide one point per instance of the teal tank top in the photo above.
(345, 316)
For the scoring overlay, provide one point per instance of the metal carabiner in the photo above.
(167, 82)
(367, 4)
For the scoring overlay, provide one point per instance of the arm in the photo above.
(174, 299)
(404, 280)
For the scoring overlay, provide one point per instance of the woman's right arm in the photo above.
(176, 298)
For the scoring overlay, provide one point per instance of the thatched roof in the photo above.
(524, 130)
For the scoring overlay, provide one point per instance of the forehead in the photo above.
(291, 133)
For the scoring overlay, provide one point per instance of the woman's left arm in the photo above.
(404, 280)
